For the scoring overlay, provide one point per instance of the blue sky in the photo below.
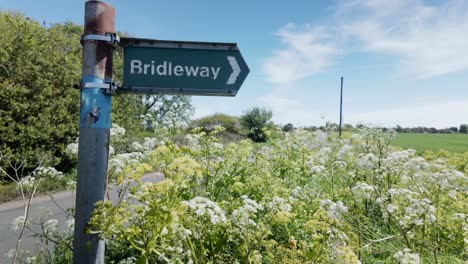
(403, 61)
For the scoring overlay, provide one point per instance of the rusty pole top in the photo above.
(99, 18)
(97, 58)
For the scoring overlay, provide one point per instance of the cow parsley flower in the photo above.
(317, 169)
(367, 161)
(50, 226)
(27, 182)
(244, 214)
(72, 149)
(362, 190)
(49, 172)
(70, 223)
(278, 204)
(17, 223)
(117, 131)
(203, 206)
(406, 257)
(334, 210)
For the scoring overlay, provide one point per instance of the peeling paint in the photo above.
(95, 109)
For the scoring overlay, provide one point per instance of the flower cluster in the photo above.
(49, 172)
(406, 257)
(205, 207)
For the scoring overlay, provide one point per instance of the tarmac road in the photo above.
(44, 206)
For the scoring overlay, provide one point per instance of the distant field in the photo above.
(434, 142)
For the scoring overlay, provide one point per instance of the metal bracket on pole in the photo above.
(110, 87)
(111, 39)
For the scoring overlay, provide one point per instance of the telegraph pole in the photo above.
(95, 123)
(341, 107)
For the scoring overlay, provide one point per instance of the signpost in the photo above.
(181, 67)
(150, 67)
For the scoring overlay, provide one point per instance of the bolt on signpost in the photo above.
(150, 67)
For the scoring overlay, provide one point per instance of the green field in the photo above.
(434, 142)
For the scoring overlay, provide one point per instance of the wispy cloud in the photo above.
(307, 50)
(427, 40)
(424, 40)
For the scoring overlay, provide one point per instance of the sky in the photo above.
(404, 62)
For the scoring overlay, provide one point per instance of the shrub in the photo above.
(288, 127)
(38, 110)
(463, 129)
(255, 120)
(207, 123)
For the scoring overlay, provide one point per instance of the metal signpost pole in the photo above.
(341, 106)
(95, 125)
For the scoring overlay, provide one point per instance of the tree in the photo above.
(463, 129)
(208, 123)
(39, 111)
(38, 108)
(255, 120)
(288, 127)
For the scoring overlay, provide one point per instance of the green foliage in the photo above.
(463, 129)
(288, 127)
(255, 121)
(8, 192)
(208, 123)
(304, 197)
(38, 108)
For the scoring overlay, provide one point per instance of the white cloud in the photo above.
(439, 115)
(425, 40)
(308, 50)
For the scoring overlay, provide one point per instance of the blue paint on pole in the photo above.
(95, 105)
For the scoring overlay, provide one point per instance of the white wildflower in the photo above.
(193, 141)
(164, 231)
(344, 152)
(452, 194)
(129, 260)
(49, 172)
(363, 190)
(149, 144)
(367, 161)
(406, 257)
(278, 204)
(70, 223)
(295, 193)
(317, 169)
(340, 164)
(72, 149)
(10, 253)
(244, 214)
(137, 147)
(163, 258)
(17, 223)
(203, 206)
(50, 226)
(71, 184)
(391, 208)
(31, 260)
(218, 145)
(117, 131)
(334, 210)
(27, 182)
